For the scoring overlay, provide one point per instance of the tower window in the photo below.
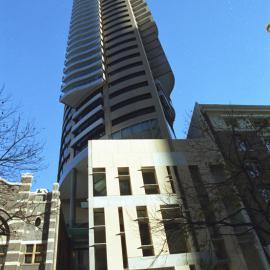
(130, 101)
(170, 178)
(100, 257)
(99, 182)
(123, 238)
(124, 181)
(100, 239)
(145, 233)
(149, 180)
(175, 232)
(133, 115)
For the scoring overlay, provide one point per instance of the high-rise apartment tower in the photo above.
(117, 80)
(116, 85)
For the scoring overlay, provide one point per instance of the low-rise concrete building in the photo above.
(28, 226)
(136, 201)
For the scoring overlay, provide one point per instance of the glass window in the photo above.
(124, 184)
(100, 235)
(81, 258)
(156, 133)
(145, 130)
(149, 180)
(99, 182)
(127, 133)
(123, 238)
(100, 257)
(170, 179)
(100, 239)
(35, 253)
(124, 181)
(116, 135)
(145, 232)
(99, 218)
(174, 230)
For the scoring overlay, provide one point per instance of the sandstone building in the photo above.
(28, 226)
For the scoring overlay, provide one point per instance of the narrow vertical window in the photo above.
(209, 213)
(123, 238)
(145, 233)
(170, 178)
(99, 182)
(99, 229)
(124, 181)
(3, 251)
(176, 233)
(100, 239)
(150, 181)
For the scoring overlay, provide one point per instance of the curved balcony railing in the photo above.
(82, 25)
(86, 35)
(82, 54)
(97, 123)
(81, 79)
(83, 30)
(82, 49)
(86, 117)
(81, 63)
(82, 74)
(93, 13)
(80, 5)
(87, 68)
(74, 96)
(84, 42)
(78, 24)
(84, 8)
(87, 104)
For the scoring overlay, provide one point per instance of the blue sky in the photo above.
(219, 52)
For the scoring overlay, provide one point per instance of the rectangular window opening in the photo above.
(99, 182)
(123, 238)
(35, 254)
(145, 232)
(124, 181)
(150, 181)
(176, 233)
(170, 178)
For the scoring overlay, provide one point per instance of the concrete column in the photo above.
(72, 205)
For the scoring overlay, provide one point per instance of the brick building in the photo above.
(28, 226)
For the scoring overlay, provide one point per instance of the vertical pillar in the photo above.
(72, 205)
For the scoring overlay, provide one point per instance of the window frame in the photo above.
(34, 254)
(148, 187)
(95, 172)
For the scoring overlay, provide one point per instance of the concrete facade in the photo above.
(180, 156)
(31, 221)
(240, 133)
(136, 155)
